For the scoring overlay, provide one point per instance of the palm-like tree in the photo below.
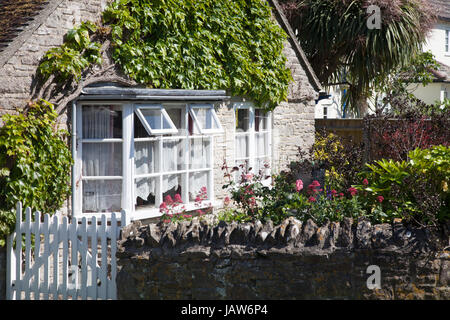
(343, 49)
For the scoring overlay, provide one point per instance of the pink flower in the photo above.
(341, 194)
(248, 176)
(380, 199)
(187, 216)
(226, 201)
(299, 185)
(199, 212)
(178, 198)
(365, 182)
(315, 183)
(312, 199)
(168, 199)
(352, 191)
(334, 192)
(203, 189)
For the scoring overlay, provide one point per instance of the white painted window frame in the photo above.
(193, 106)
(164, 115)
(251, 133)
(128, 166)
(447, 41)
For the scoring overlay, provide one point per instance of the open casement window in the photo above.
(155, 119)
(252, 140)
(205, 119)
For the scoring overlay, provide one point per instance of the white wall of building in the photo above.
(436, 43)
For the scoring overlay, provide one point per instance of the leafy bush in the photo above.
(414, 190)
(35, 163)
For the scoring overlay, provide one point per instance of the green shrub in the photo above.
(416, 189)
(35, 163)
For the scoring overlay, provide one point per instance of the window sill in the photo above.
(154, 212)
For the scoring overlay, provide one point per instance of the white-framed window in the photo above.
(133, 155)
(253, 139)
(447, 41)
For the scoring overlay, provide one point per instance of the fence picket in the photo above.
(46, 254)
(55, 249)
(73, 260)
(84, 262)
(64, 239)
(27, 227)
(104, 258)
(18, 253)
(51, 270)
(37, 248)
(94, 259)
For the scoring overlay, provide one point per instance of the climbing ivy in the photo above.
(35, 163)
(76, 54)
(186, 44)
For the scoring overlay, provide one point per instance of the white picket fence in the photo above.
(50, 258)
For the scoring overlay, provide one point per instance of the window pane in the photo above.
(173, 155)
(242, 120)
(261, 120)
(102, 195)
(102, 122)
(145, 158)
(153, 117)
(200, 151)
(145, 192)
(172, 185)
(242, 146)
(198, 186)
(262, 167)
(242, 166)
(175, 116)
(261, 143)
(102, 159)
(205, 118)
(139, 130)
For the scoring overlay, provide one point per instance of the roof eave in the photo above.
(282, 20)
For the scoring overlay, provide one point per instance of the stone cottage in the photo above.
(133, 146)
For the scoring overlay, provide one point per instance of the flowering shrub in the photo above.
(174, 210)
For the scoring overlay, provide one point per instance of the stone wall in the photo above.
(18, 71)
(197, 260)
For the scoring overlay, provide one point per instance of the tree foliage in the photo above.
(341, 48)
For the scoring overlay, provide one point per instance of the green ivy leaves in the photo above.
(35, 163)
(201, 44)
(74, 55)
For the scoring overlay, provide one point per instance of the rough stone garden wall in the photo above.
(193, 260)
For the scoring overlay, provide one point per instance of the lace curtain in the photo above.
(101, 159)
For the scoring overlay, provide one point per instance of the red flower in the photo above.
(341, 194)
(365, 182)
(312, 199)
(226, 201)
(333, 192)
(380, 199)
(352, 191)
